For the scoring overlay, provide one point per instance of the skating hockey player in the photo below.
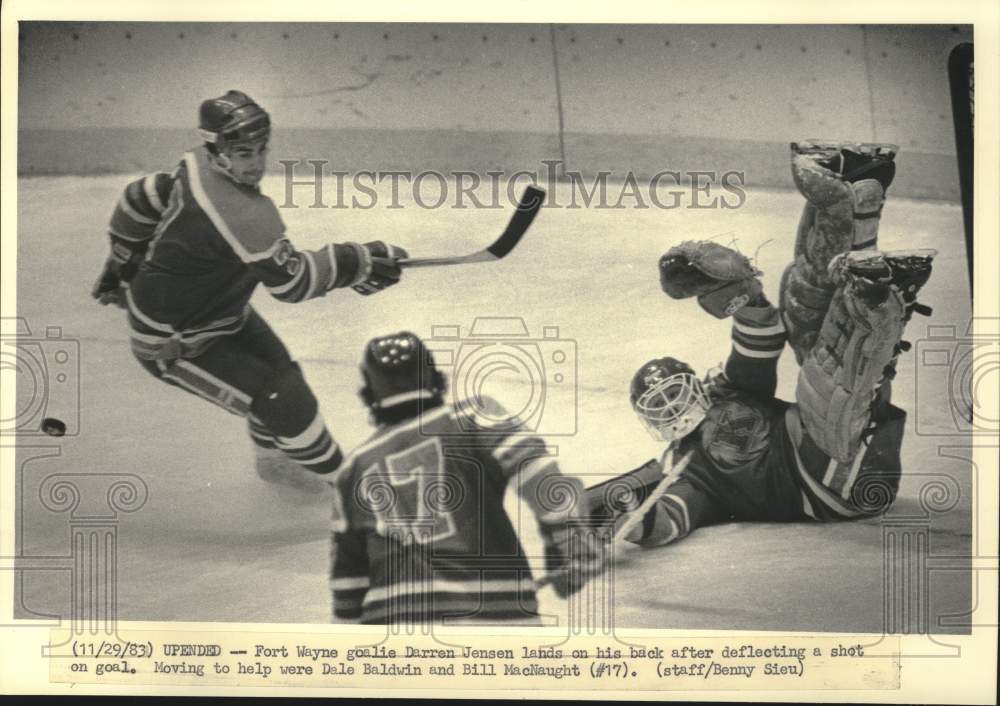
(420, 533)
(189, 247)
(834, 454)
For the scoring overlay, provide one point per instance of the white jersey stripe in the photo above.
(415, 424)
(807, 506)
(315, 285)
(743, 350)
(130, 238)
(350, 583)
(198, 190)
(149, 186)
(684, 510)
(305, 439)
(221, 384)
(289, 285)
(194, 389)
(759, 330)
(831, 469)
(334, 448)
(402, 397)
(510, 444)
(133, 214)
(332, 255)
(474, 586)
(533, 468)
(845, 492)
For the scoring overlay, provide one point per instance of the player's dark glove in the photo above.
(723, 280)
(109, 289)
(378, 268)
(573, 555)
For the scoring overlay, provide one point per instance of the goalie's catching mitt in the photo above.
(723, 280)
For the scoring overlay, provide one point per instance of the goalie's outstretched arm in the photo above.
(758, 339)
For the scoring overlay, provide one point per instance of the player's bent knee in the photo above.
(287, 407)
(285, 404)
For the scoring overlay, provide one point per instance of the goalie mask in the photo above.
(399, 377)
(668, 398)
(236, 131)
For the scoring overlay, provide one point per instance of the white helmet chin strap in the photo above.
(673, 407)
(224, 165)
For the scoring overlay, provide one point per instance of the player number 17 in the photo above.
(417, 476)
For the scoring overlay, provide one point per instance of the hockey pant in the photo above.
(250, 373)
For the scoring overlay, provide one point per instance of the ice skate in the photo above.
(873, 273)
(906, 270)
(276, 468)
(853, 161)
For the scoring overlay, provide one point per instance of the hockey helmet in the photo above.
(398, 369)
(232, 119)
(668, 398)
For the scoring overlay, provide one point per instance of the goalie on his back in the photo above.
(834, 454)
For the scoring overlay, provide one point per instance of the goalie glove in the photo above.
(722, 279)
(377, 268)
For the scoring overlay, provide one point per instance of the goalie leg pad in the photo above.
(824, 233)
(289, 411)
(803, 307)
(839, 378)
(842, 214)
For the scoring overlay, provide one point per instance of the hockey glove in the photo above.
(378, 268)
(573, 555)
(722, 279)
(109, 288)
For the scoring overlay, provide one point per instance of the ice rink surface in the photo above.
(214, 543)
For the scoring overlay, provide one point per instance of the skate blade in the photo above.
(921, 253)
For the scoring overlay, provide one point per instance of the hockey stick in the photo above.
(527, 209)
(669, 476)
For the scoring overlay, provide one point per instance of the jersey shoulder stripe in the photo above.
(247, 220)
(137, 202)
(157, 189)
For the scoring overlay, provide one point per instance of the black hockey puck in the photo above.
(53, 426)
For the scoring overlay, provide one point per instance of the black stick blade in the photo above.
(527, 209)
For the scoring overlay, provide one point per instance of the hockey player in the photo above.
(419, 531)
(834, 453)
(190, 246)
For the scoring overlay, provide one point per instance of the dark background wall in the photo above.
(122, 97)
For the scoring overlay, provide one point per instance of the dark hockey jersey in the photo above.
(751, 457)
(419, 528)
(194, 244)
